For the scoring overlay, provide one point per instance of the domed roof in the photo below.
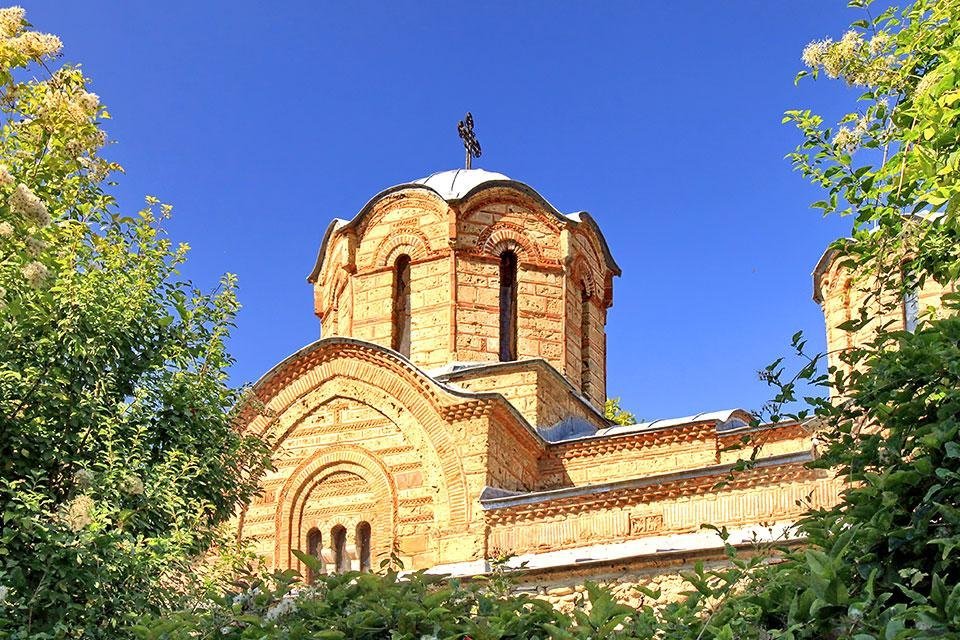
(456, 183)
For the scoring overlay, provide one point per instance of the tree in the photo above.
(882, 563)
(119, 461)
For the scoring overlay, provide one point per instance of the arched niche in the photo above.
(292, 530)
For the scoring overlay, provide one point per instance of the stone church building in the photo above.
(452, 413)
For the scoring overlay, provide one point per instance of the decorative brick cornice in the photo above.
(563, 502)
(602, 445)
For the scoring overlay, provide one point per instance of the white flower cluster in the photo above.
(4, 592)
(25, 203)
(849, 139)
(77, 513)
(35, 273)
(245, 598)
(6, 178)
(6, 230)
(11, 21)
(35, 247)
(287, 605)
(814, 53)
(36, 45)
(89, 102)
(18, 42)
(84, 478)
(859, 61)
(132, 485)
(77, 107)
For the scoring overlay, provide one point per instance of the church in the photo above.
(452, 414)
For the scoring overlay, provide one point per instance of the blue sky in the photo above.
(261, 121)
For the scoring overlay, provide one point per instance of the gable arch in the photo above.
(376, 377)
(489, 218)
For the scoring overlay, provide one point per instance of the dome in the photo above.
(456, 183)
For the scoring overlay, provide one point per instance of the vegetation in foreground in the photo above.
(87, 551)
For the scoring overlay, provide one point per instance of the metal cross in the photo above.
(470, 144)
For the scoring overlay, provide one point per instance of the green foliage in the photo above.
(612, 411)
(881, 564)
(419, 606)
(118, 461)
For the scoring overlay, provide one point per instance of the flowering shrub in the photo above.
(416, 606)
(118, 463)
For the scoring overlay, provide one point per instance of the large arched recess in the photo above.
(290, 534)
(383, 380)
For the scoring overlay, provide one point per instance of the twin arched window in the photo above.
(400, 334)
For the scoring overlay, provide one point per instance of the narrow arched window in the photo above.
(338, 538)
(401, 306)
(508, 306)
(314, 544)
(585, 342)
(363, 545)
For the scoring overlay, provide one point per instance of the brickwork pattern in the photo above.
(455, 250)
(362, 436)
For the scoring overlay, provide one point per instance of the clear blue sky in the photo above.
(260, 121)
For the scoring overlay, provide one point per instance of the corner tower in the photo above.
(470, 266)
(844, 294)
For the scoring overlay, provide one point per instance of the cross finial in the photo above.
(470, 144)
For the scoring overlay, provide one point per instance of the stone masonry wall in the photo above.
(541, 396)
(564, 588)
(681, 507)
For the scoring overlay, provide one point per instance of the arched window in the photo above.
(401, 306)
(584, 342)
(363, 545)
(339, 539)
(314, 544)
(508, 306)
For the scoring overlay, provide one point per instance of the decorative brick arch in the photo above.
(378, 378)
(424, 201)
(409, 241)
(581, 275)
(292, 499)
(505, 236)
(334, 290)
